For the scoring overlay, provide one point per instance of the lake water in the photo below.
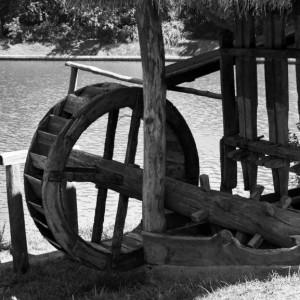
(29, 89)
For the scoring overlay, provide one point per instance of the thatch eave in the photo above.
(241, 5)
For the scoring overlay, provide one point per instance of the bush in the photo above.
(14, 29)
(172, 32)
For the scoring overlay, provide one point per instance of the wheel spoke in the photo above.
(102, 192)
(123, 200)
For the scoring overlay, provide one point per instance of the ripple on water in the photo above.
(30, 89)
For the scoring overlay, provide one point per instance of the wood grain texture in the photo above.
(154, 91)
(16, 219)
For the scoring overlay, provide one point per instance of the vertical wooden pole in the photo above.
(153, 63)
(16, 219)
(276, 79)
(296, 11)
(73, 80)
(70, 206)
(246, 76)
(230, 116)
(112, 124)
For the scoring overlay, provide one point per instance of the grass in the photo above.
(66, 279)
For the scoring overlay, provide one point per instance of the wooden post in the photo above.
(16, 219)
(246, 74)
(73, 80)
(230, 116)
(296, 11)
(153, 62)
(70, 206)
(277, 97)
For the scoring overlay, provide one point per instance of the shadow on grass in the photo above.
(88, 47)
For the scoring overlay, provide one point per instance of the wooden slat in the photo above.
(260, 52)
(230, 116)
(38, 161)
(41, 223)
(247, 93)
(35, 184)
(56, 124)
(123, 200)
(74, 103)
(37, 207)
(277, 95)
(46, 138)
(102, 192)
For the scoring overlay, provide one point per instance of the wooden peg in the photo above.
(225, 204)
(242, 237)
(256, 194)
(268, 209)
(199, 216)
(285, 202)
(204, 183)
(256, 241)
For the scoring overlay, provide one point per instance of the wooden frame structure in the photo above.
(52, 162)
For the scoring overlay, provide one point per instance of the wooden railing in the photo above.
(12, 162)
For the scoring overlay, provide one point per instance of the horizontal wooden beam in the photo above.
(13, 158)
(134, 80)
(291, 153)
(259, 52)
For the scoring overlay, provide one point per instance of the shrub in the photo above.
(172, 32)
(14, 29)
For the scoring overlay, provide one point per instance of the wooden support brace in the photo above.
(204, 183)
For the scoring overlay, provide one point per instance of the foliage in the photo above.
(172, 32)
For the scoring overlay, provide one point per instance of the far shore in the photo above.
(92, 50)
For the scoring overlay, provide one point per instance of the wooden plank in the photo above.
(219, 250)
(247, 94)
(16, 219)
(36, 185)
(123, 200)
(13, 157)
(102, 192)
(46, 138)
(37, 207)
(151, 41)
(277, 95)
(56, 124)
(70, 205)
(230, 114)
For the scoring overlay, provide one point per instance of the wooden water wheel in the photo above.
(52, 162)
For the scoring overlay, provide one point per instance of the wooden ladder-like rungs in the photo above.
(35, 184)
(56, 124)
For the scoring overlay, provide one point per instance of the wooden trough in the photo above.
(202, 231)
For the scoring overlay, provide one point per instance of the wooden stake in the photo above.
(16, 219)
(73, 80)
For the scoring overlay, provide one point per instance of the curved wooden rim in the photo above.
(52, 195)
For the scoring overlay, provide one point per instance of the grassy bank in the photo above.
(65, 279)
(93, 47)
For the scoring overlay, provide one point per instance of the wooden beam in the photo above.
(230, 114)
(153, 63)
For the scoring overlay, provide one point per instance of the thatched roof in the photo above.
(242, 6)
